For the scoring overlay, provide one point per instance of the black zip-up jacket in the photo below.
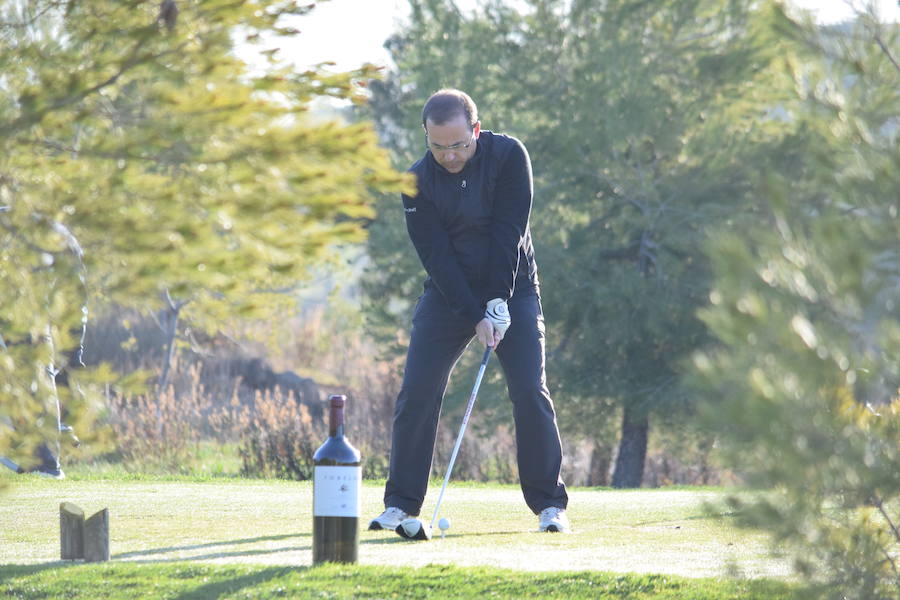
(471, 229)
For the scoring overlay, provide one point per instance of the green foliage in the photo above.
(803, 384)
(642, 121)
(140, 157)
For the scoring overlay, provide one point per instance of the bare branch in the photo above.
(880, 504)
(887, 51)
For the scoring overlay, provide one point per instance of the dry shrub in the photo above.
(680, 466)
(486, 454)
(210, 399)
(163, 431)
(279, 439)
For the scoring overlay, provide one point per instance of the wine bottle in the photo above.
(337, 481)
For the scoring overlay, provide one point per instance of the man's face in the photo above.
(452, 143)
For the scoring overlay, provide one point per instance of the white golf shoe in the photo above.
(389, 519)
(554, 519)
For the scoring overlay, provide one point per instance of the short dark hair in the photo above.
(445, 105)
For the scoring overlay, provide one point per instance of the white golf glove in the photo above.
(498, 314)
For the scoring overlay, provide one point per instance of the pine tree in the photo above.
(142, 162)
(803, 384)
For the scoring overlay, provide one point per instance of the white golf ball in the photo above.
(444, 524)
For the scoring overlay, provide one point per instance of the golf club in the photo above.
(415, 528)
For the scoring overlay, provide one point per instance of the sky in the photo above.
(352, 32)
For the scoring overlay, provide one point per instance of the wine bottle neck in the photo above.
(336, 421)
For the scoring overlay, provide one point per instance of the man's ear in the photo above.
(477, 129)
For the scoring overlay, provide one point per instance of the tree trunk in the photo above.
(169, 323)
(599, 469)
(632, 449)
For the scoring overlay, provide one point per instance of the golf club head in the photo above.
(12, 466)
(414, 529)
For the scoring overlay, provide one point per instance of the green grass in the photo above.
(207, 458)
(201, 582)
(174, 537)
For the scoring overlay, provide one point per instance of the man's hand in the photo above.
(498, 314)
(486, 333)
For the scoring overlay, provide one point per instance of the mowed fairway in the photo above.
(270, 523)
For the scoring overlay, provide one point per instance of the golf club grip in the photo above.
(462, 430)
(487, 356)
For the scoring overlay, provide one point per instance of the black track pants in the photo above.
(437, 341)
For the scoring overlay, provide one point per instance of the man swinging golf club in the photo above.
(469, 226)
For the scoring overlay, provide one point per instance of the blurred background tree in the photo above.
(143, 162)
(802, 384)
(643, 121)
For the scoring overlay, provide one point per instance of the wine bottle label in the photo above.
(336, 491)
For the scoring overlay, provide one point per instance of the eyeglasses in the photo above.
(451, 148)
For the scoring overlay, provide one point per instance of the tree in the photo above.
(141, 159)
(803, 383)
(640, 121)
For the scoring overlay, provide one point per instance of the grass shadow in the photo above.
(493, 533)
(223, 554)
(170, 549)
(9, 571)
(387, 540)
(396, 539)
(232, 586)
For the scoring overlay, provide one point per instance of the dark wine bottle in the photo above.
(337, 482)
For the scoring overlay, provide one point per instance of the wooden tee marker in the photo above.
(81, 538)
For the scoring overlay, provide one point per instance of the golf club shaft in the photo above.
(53, 372)
(462, 430)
